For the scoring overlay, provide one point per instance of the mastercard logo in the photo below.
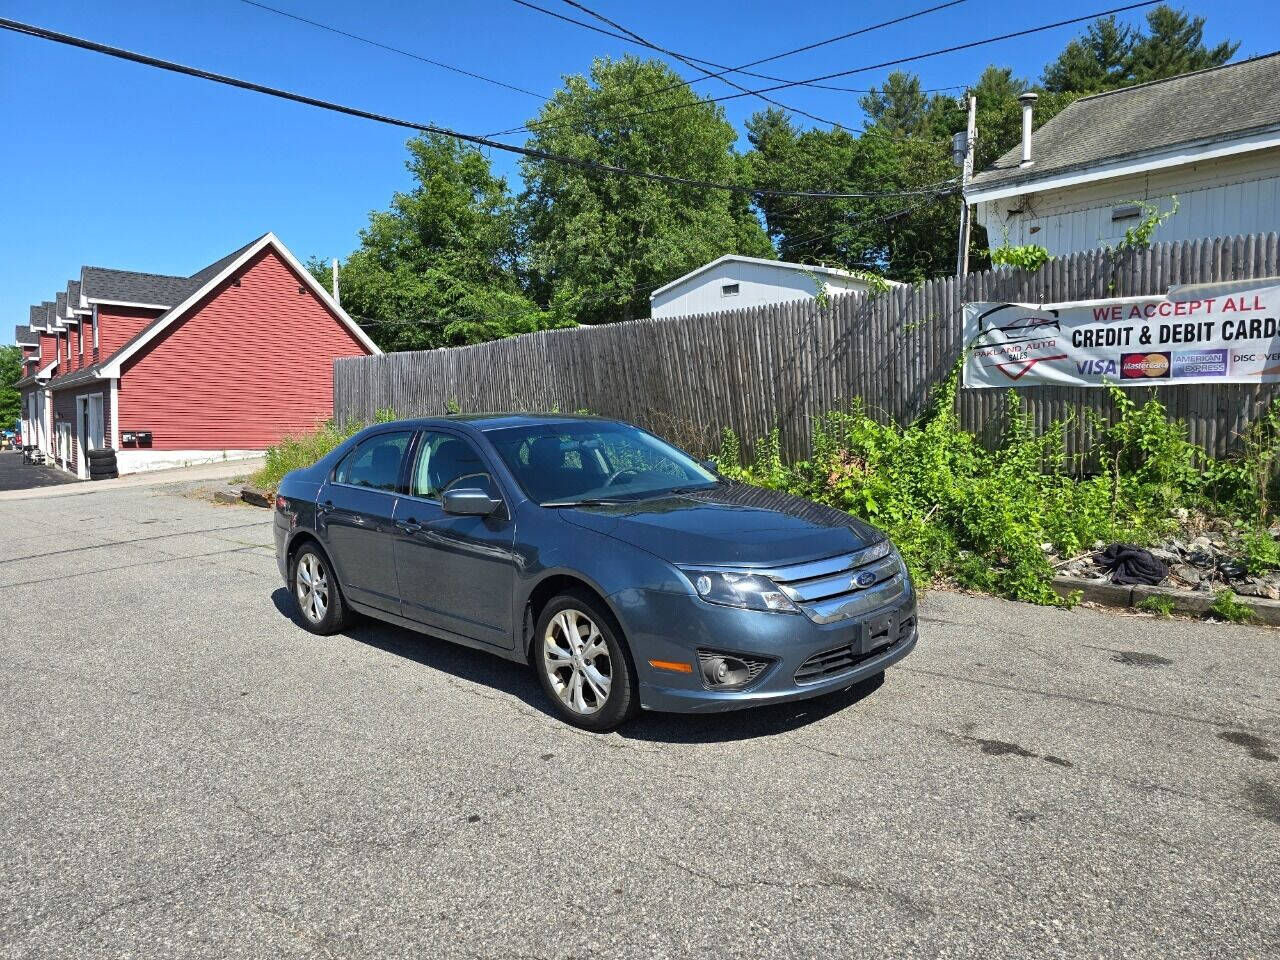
(1138, 366)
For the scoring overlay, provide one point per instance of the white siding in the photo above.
(758, 284)
(1223, 197)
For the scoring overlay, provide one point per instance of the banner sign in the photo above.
(1206, 333)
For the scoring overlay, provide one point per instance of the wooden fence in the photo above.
(751, 370)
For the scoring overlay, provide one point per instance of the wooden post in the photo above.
(966, 171)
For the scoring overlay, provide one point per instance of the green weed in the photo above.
(1161, 606)
(1227, 607)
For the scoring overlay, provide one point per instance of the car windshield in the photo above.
(569, 463)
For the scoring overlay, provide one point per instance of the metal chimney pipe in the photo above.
(1028, 101)
(335, 282)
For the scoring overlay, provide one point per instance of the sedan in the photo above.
(626, 573)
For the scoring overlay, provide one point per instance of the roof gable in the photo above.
(1217, 104)
(129, 287)
(215, 274)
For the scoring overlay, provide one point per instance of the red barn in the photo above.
(172, 370)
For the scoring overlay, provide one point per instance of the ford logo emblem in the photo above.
(865, 579)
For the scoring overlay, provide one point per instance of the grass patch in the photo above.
(296, 452)
(1227, 607)
(1159, 605)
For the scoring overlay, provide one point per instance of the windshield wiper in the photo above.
(589, 502)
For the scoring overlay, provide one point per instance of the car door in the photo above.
(457, 573)
(356, 518)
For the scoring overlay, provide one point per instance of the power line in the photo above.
(708, 63)
(16, 26)
(690, 63)
(689, 60)
(936, 53)
(875, 66)
(384, 46)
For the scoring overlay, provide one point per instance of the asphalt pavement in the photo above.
(185, 772)
(16, 475)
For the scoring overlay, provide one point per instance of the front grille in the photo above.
(828, 590)
(831, 663)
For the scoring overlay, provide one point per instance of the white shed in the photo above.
(733, 283)
(1211, 139)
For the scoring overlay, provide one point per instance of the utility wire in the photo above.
(694, 62)
(711, 63)
(875, 66)
(119, 53)
(935, 53)
(691, 63)
(388, 47)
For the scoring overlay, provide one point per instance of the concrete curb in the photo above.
(257, 497)
(1189, 602)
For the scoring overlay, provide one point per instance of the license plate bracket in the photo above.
(878, 632)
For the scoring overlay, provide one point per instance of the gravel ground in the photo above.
(185, 772)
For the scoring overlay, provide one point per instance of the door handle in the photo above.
(409, 526)
(324, 507)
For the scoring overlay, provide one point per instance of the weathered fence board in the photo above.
(779, 366)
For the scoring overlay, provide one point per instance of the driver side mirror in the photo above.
(469, 502)
(709, 465)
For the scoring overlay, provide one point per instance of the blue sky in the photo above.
(114, 164)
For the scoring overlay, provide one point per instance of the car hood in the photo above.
(733, 523)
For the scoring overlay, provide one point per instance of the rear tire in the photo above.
(316, 591)
(583, 663)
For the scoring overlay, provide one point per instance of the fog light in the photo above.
(726, 671)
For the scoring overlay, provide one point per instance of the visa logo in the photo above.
(1096, 368)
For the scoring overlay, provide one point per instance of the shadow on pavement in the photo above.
(518, 681)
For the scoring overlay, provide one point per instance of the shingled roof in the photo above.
(24, 337)
(1221, 103)
(73, 295)
(126, 286)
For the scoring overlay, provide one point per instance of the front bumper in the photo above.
(673, 627)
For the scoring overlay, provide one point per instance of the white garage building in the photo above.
(733, 283)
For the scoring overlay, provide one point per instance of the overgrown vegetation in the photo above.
(304, 449)
(1227, 607)
(989, 519)
(1161, 606)
(1026, 257)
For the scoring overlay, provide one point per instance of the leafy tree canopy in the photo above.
(10, 373)
(597, 245)
(439, 267)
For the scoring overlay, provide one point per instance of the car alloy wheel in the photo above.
(576, 659)
(312, 588)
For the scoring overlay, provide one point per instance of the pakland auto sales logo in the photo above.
(1013, 338)
(1138, 366)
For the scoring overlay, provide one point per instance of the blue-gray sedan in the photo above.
(627, 574)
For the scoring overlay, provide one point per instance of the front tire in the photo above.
(583, 663)
(316, 591)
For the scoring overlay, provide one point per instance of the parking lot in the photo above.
(186, 772)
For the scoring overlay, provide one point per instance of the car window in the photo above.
(375, 463)
(445, 461)
(567, 462)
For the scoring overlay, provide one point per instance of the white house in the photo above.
(732, 283)
(1210, 138)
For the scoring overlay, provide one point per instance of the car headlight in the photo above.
(746, 590)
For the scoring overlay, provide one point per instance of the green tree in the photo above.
(1102, 59)
(10, 373)
(439, 268)
(597, 244)
(900, 237)
(1174, 44)
(900, 108)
